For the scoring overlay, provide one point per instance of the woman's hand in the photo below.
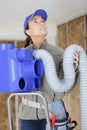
(76, 60)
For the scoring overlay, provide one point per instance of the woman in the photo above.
(36, 29)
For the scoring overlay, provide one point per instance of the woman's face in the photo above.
(37, 27)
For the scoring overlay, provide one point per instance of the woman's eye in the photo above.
(34, 21)
(38, 21)
(43, 20)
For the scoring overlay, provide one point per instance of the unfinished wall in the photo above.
(69, 33)
(62, 36)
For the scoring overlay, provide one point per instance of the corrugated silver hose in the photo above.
(67, 82)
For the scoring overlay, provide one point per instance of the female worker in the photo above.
(36, 30)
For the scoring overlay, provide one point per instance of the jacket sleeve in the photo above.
(60, 71)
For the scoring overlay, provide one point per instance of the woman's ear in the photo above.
(27, 32)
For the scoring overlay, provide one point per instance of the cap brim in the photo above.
(40, 12)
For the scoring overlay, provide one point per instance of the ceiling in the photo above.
(13, 12)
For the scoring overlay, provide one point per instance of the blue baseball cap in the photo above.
(39, 12)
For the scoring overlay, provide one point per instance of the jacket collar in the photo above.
(41, 47)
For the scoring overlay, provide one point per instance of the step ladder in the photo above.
(27, 102)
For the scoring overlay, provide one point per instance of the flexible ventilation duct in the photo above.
(67, 82)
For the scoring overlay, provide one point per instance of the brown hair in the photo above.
(28, 40)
